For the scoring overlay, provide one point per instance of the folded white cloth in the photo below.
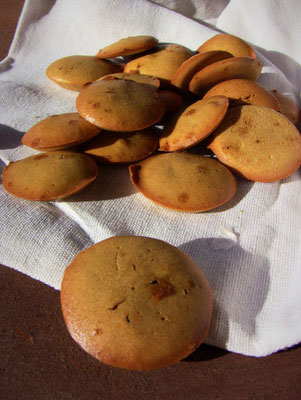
(250, 249)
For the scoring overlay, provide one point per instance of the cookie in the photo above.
(190, 67)
(258, 143)
(59, 132)
(128, 46)
(122, 147)
(173, 101)
(184, 181)
(244, 91)
(49, 176)
(194, 124)
(146, 79)
(233, 44)
(120, 105)
(136, 302)
(74, 71)
(288, 107)
(161, 64)
(231, 68)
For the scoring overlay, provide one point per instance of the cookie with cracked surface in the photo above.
(59, 132)
(128, 46)
(195, 123)
(122, 147)
(49, 176)
(183, 181)
(233, 44)
(161, 64)
(73, 72)
(244, 91)
(258, 143)
(136, 302)
(120, 105)
(230, 68)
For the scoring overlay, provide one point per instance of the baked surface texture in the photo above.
(136, 302)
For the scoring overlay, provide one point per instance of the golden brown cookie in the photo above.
(128, 46)
(190, 67)
(194, 124)
(146, 79)
(233, 44)
(59, 132)
(162, 64)
(244, 91)
(49, 176)
(74, 71)
(258, 143)
(231, 68)
(184, 181)
(173, 101)
(120, 105)
(288, 107)
(122, 147)
(136, 302)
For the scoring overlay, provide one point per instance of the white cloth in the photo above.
(250, 248)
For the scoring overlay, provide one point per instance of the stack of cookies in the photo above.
(187, 122)
(160, 107)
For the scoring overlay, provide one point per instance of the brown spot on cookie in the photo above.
(191, 283)
(96, 105)
(190, 112)
(202, 169)
(96, 332)
(161, 288)
(183, 197)
(72, 121)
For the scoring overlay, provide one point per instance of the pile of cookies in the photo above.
(147, 104)
(136, 302)
(158, 107)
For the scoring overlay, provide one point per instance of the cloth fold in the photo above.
(250, 248)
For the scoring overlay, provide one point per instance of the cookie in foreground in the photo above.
(136, 302)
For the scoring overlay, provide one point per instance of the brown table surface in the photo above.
(39, 360)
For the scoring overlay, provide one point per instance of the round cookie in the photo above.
(190, 67)
(184, 181)
(122, 147)
(194, 124)
(120, 105)
(162, 64)
(258, 143)
(59, 132)
(231, 68)
(128, 46)
(73, 72)
(244, 91)
(173, 101)
(140, 78)
(230, 43)
(136, 302)
(288, 107)
(49, 176)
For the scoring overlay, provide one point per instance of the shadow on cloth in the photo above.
(113, 182)
(240, 282)
(9, 137)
